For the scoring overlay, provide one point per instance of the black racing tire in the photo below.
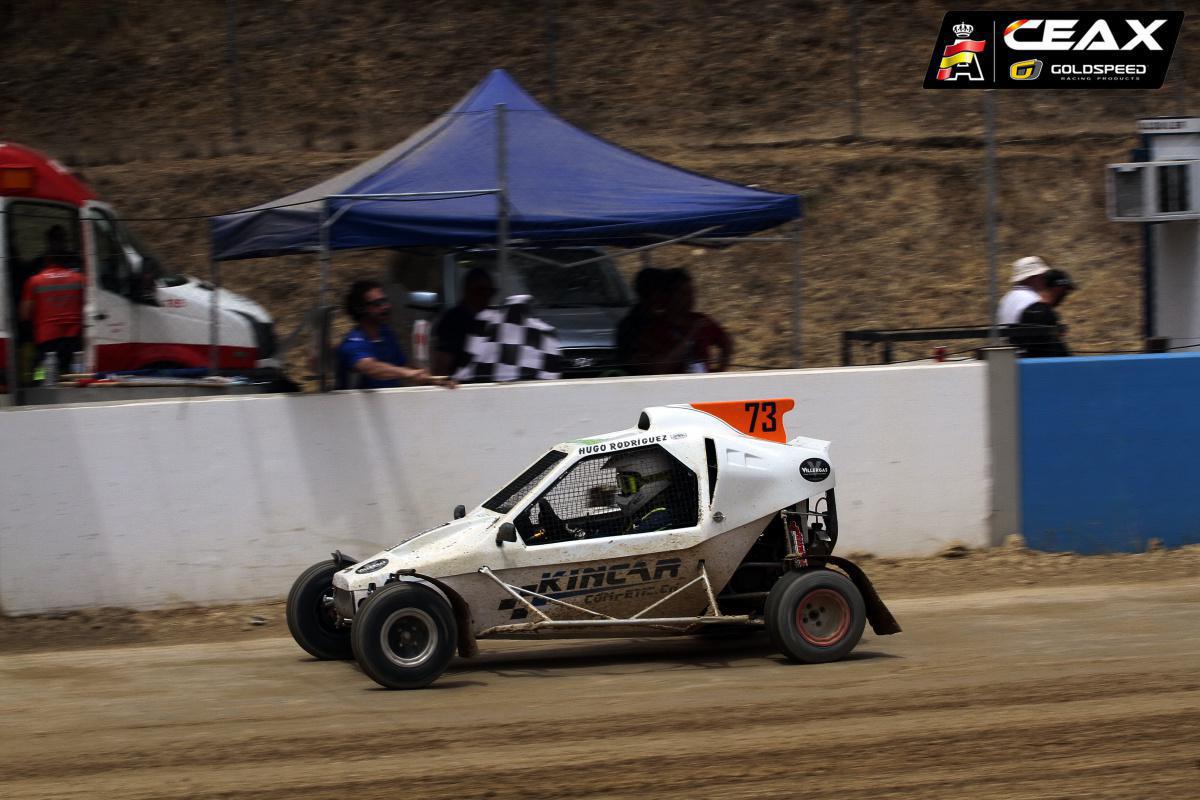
(311, 616)
(404, 636)
(815, 616)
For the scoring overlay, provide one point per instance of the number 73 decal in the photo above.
(762, 419)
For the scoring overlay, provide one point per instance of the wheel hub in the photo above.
(327, 614)
(823, 617)
(408, 637)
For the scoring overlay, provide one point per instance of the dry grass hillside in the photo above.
(140, 97)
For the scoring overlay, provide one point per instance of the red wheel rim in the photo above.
(822, 617)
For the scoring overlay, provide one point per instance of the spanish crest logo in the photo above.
(960, 59)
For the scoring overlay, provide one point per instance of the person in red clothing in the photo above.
(52, 301)
(711, 346)
(673, 337)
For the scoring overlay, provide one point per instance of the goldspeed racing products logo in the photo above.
(1029, 70)
(1053, 50)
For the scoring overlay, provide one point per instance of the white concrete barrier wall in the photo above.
(162, 503)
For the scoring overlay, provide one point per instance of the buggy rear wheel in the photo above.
(815, 616)
(311, 616)
(404, 636)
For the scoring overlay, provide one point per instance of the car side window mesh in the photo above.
(508, 497)
(640, 490)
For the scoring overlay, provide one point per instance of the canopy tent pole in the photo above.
(322, 336)
(989, 127)
(628, 252)
(502, 184)
(400, 197)
(797, 298)
(214, 319)
(741, 239)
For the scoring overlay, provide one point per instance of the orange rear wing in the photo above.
(762, 419)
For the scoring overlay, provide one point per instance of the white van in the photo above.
(135, 317)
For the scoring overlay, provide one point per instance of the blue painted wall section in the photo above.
(1110, 452)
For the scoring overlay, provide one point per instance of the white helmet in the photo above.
(641, 476)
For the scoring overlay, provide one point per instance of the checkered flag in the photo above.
(507, 344)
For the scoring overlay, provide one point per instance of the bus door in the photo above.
(36, 234)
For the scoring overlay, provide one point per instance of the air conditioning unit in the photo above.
(1154, 191)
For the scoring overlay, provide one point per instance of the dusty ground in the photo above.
(954, 571)
(1079, 681)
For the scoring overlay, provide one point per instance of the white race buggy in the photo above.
(704, 517)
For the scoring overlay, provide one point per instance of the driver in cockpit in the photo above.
(642, 482)
(638, 503)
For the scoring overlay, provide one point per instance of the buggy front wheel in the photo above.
(815, 616)
(404, 636)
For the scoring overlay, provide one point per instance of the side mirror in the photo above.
(460, 511)
(507, 533)
(424, 301)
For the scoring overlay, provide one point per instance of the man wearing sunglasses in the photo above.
(370, 356)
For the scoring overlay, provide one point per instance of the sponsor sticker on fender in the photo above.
(815, 469)
(372, 566)
(1053, 50)
(600, 584)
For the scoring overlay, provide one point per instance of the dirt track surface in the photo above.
(1030, 691)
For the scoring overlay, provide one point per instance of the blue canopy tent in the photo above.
(444, 185)
(500, 168)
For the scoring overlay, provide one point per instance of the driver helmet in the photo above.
(641, 477)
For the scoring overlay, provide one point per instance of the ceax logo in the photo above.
(1025, 70)
(960, 60)
(1061, 34)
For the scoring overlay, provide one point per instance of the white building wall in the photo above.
(1176, 255)
(1177, 282)
(161, 503)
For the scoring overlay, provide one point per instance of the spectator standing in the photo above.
(52, 302)
(665, 338)
(674, 338)
(648, 284)
(1028, 283)
(711, 346)
(1043, 334)
(370, 356)
(450, 331)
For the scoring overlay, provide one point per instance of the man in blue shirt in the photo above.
(370, 356)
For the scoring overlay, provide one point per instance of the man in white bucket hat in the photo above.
(1028, 282)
